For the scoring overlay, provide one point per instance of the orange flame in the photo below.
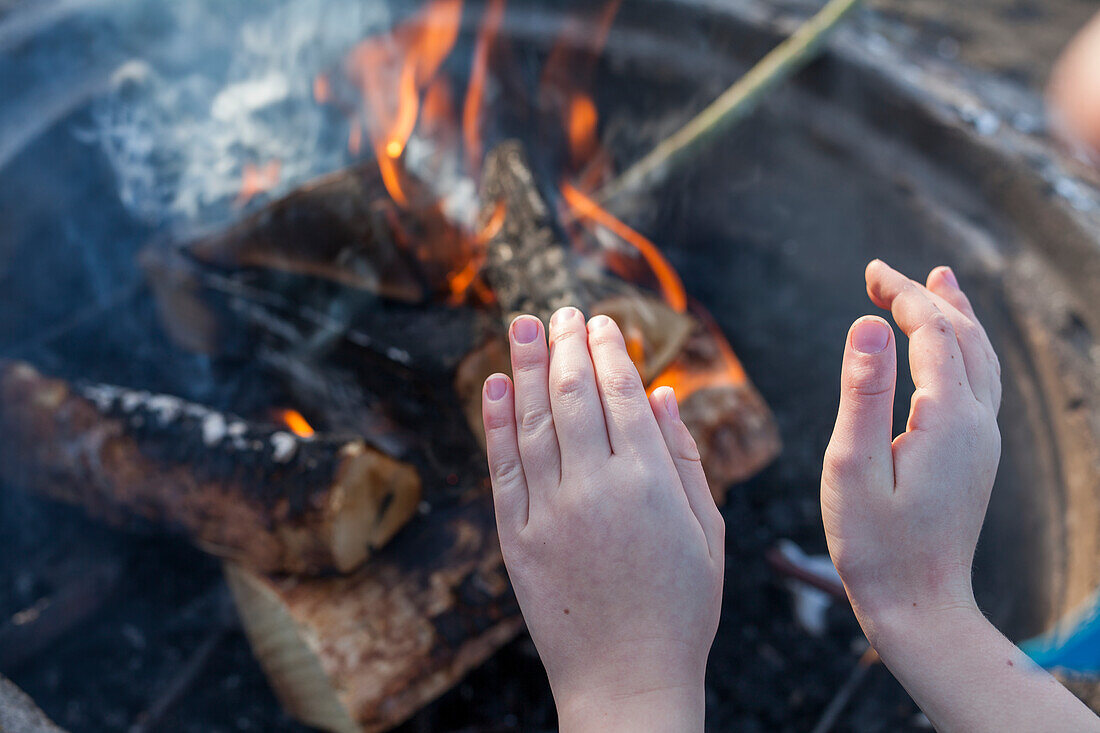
(297, 424)
(256, 179)
(475, 92)
(672, 288)
(567, 74)
(392, 71)
(688, 375)
(461, 281)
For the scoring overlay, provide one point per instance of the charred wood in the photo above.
(258, 494)
(80, 588)
(365, 651)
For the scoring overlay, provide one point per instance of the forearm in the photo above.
(966, 676)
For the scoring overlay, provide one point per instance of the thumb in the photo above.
(859, 453)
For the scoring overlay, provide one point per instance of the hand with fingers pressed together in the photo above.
(615, 547)
(609, 530)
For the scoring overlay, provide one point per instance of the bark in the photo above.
(254, 493)
(366, 651)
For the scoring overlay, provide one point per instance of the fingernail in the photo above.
(949, 275)
(671, 405)
(599, 322)
(496, 388)
(525, 329)
(870, 335)
(562, 315)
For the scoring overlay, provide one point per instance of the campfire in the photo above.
(272, 349)
(354, 519)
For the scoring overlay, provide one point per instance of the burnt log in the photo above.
(255, 493)
(363, 652)
(383, 367)
(19, 714)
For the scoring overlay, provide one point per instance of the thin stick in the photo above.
(840, 701)
(737, 102)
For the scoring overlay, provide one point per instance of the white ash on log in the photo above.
(260, 495)
(365, 651)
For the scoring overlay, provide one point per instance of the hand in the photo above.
(609, 531)
(902, 516)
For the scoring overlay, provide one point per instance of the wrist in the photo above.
(649, 687)
(901, 628)
(668, 706)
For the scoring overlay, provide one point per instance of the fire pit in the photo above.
(871, 154)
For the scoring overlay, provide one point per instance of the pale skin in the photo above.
(902, 515)
(615, 547)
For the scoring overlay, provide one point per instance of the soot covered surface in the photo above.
(770, 232)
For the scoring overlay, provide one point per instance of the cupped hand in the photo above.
(902, 515)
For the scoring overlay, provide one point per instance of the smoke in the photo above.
(220, 87)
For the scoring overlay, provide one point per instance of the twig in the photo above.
(76, 600)
(181, 683)
(737, 102)
(782, 565)
(840, 701)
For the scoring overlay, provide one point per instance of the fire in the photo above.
(460, 282)
(565, 80)
(672, 288)
(392, 72)
(723, 369)
(257, 179)
(475, 92)
(297, 424)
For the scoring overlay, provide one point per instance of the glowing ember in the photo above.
(257, 179)
(297, 424)
(672, 288)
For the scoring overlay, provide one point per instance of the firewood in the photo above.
(19, 714)
(408, 366)
(365, 651)
(254, 493)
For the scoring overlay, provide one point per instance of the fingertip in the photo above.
(870, 335)
(563, 317)
(664, 403)
(496, 388)
(942, 276)
(524, 329)
(873, 274)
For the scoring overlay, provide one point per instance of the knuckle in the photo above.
(622, 383)
(937, 321)
(842, 467)
(496, 422)
(507, 472)
(687, 449)
(527, 363)
(865, 378)
(570, 383)
(536, 419)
